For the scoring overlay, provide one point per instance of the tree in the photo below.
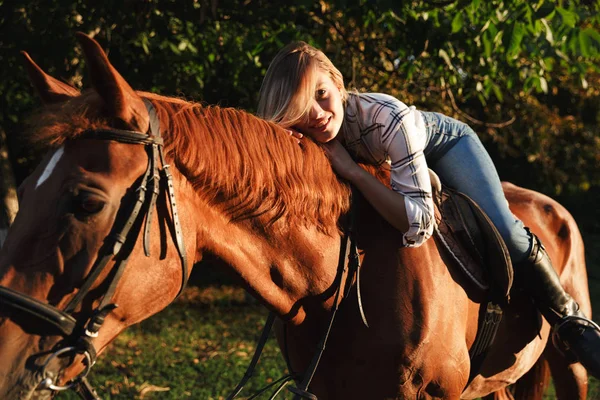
(524, 74)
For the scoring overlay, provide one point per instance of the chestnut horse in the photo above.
(244, 192)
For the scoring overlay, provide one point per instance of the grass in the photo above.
(200, 346)
(197, 348)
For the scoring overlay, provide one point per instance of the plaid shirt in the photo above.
(379, 129)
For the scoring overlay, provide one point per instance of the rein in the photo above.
(349, 264)
(78, 334)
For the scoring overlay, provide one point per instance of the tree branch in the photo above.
(474, 120)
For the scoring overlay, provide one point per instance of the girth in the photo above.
(78, 334)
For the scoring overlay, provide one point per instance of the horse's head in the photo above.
(83, 214)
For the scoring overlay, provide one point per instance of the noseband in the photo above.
(78, 334)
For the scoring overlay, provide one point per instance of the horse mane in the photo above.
(247, 167)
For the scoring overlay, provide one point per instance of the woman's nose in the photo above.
(316, 111)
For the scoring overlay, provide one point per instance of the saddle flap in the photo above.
(473, 242)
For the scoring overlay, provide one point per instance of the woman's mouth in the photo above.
(322, 125)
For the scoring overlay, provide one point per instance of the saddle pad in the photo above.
(472, 241)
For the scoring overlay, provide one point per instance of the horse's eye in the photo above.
(88, 203)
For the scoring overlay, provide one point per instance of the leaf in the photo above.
(146, 388)
(516, 38)
(591, 37)
(442, 53)
(174, 48)
(573, 43)
(549, 36)
(192, 48)
(529, 83)
(544, 10)
(487, 44)
(543, 85)
(594, 35)
(547, 63)
(457, 22)
(584, 82)
(498, 93)
(567, 17)
(585, 44)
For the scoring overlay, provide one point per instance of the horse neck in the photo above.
(273, 262)
(289, 271)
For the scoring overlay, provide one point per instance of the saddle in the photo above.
(467, 236)
(470, 240)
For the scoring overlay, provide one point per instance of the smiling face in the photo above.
(326, 111)
(302, 89)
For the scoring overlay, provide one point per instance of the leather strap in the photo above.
(264, 336)
(119, 238)
(86, 391)
(176, 224)
(301, 391)
(122, 136)
(61, 321)
(348, 251)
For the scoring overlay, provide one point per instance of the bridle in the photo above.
(78, 333)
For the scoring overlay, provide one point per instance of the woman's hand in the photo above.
(340, 160)
(295, 134)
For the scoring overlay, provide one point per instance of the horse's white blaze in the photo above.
(50, 166)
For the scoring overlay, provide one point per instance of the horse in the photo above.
(88, 255)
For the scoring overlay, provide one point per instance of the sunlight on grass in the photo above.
(197, 348)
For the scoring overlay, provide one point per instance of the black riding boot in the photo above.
(577, 337)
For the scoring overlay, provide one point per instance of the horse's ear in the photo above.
(121, 101)
(49, 89)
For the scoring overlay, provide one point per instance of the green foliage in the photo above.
(495, 64)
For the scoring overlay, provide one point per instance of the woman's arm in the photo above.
(408, 205)
(389, 204)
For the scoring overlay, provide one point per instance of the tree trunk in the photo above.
(8, 189)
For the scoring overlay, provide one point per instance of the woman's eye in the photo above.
(321, 93)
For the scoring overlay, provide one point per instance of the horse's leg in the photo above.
(534, 383)
(530, 386)
(570, 380)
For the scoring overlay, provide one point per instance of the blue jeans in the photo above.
(457, 155)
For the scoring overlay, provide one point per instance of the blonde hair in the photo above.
(290, 83)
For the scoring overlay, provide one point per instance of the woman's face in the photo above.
(326, 112)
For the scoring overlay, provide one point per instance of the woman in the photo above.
(304, 91)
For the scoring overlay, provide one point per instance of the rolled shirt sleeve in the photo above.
(403, 138)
